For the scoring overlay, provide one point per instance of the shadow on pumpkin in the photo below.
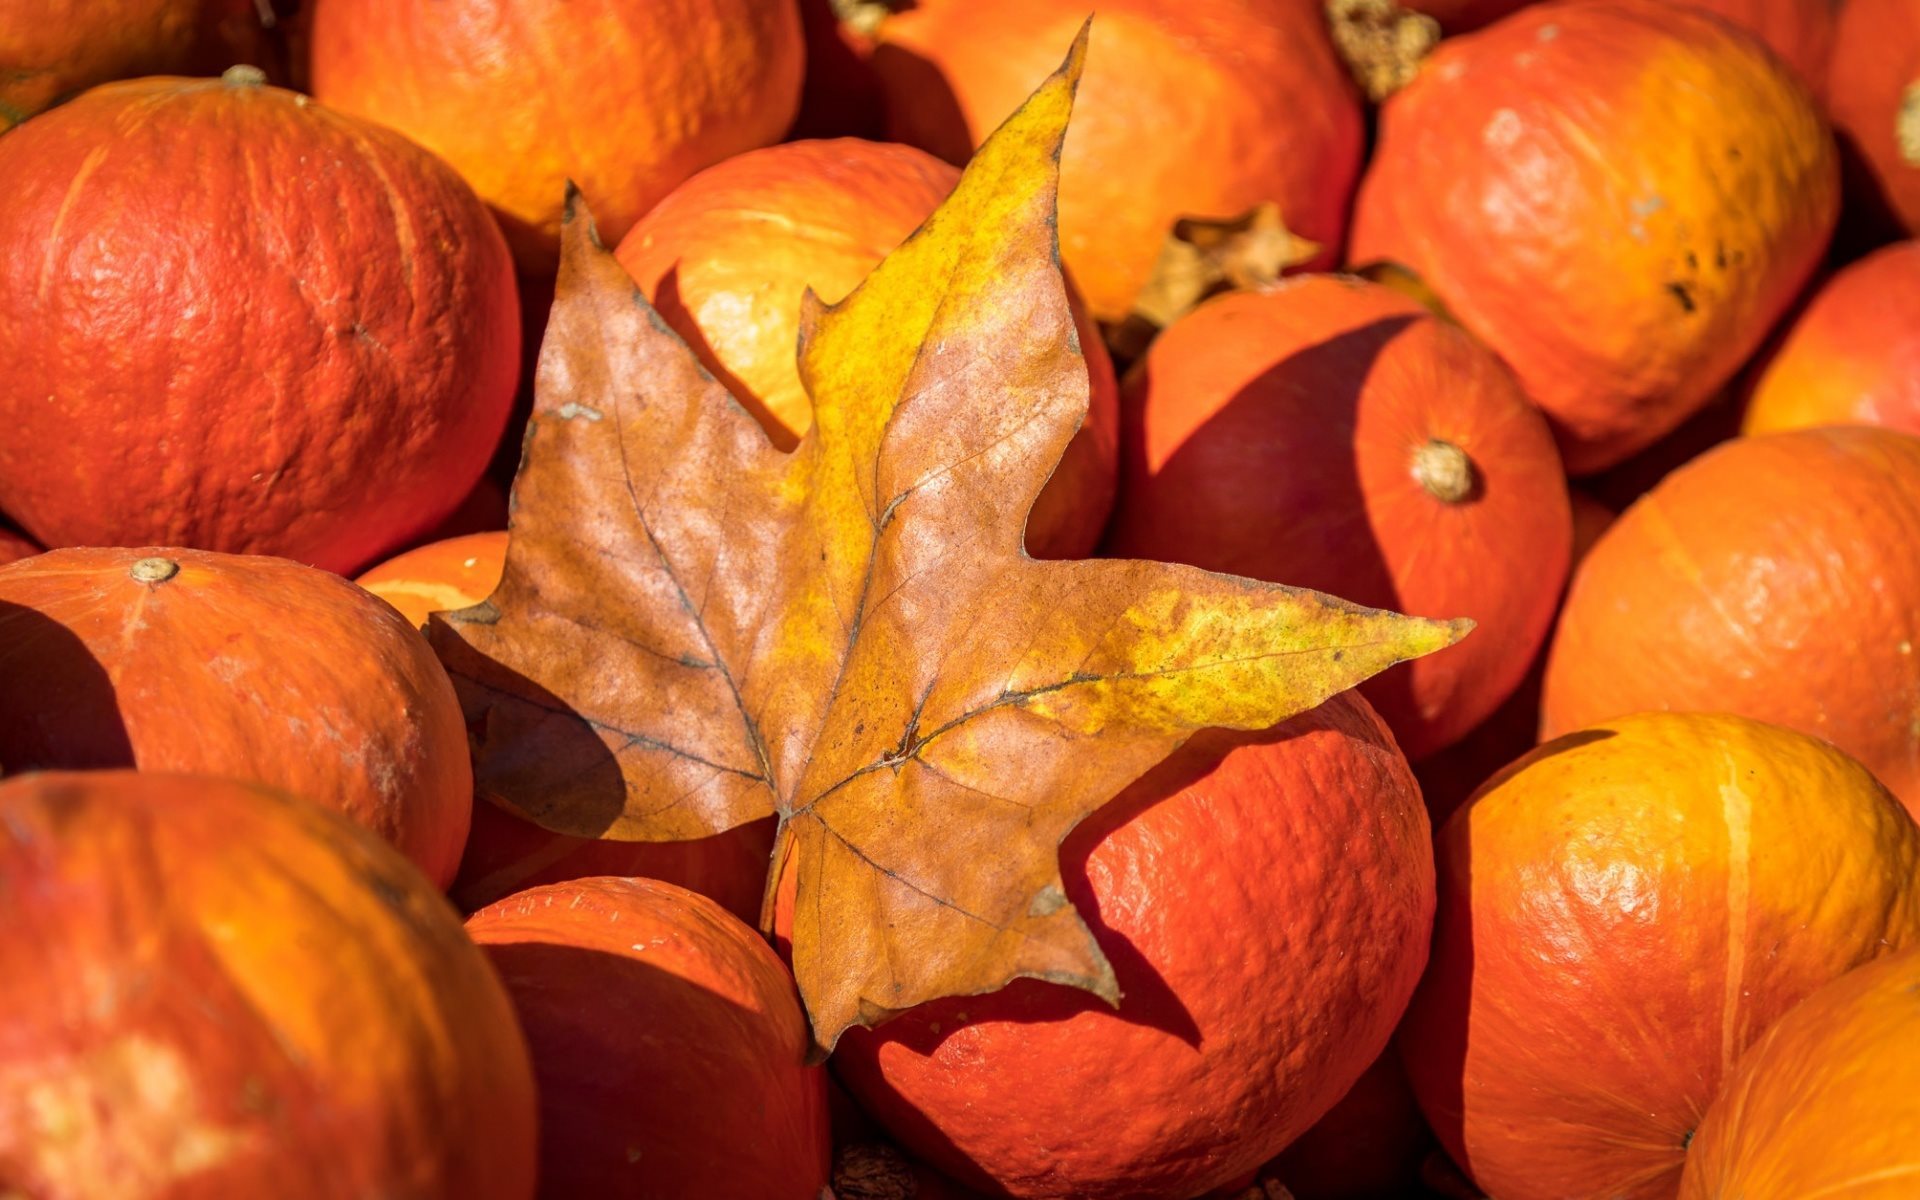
(58, 707)
(1310, 510)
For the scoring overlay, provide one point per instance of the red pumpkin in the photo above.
(1176, 116)
(727, 257)
(1464, 16)
(283, 330)
(625, 98)
(51, 49)
(1333, 434)
(13, 547)
(668, 1042)
(211, 989)
(1618, 196)
(1368, 1147)
(1853, 358)
(1264, 899)
(252, 668)
(1874, 95)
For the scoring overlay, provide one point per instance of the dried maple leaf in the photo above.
(695, 629)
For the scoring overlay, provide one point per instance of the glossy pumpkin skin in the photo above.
(340, 309)
(1449, 777)
(1874, 96)
(1853, 358)
(52, 49)
(1618, 196)
(1824, 1104)
(626, 98)
(1264, 900)
(1622, 912)
(443, 576)
(1175, 116)
(668, 1042)
(1277, 435)
(1773, 577)
(225, 991)
(727, 257)
(248, 667)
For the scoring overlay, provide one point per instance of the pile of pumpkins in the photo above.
(1595, 321)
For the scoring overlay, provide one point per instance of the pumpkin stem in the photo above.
(1445, 471)
(872, 1171)
(1906, 125)
(242, 75)
(1203, 257)
(864, 16)
(1383, 45)
(154, 570)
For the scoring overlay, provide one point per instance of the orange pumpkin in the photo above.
(254, 668)
(1622, 912)
(1853, 358)
(1264, 900)
(441, 576)
(727, 257)
(1773, 577)
(1188, 108)
(505, 852)
(1800, 32)
(51, 49)
(329, 361)
(1333, 434)
(626, 98)
(1619, 196)
(212, 989)
(1825, 1103)
(1874, 96)
(668, 1042)
(1449, 777)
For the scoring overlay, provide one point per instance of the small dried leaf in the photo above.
(695, 630)
(1202, 258)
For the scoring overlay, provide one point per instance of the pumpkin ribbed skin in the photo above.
(1264, 899)
(1853, 357)
(505, 852)
(1773, 577)
(1622, 912)
(1874, 96)
(1824, 1104)
(1618, 196)
(626, 98)
(53, 48)
(668, 1041)
(338, 309)
(727, 257)
(1175, 117)
(1800, 32)
(1280, 435)
(247, 667)
(212, 989)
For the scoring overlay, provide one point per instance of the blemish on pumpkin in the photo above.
(570, 410)
(1503, 129)
(243, 76)
(1684, 295)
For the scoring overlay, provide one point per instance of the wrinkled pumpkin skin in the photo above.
(625, 98)
(668, 1041)
(727, 257)
(1619, 197)
(1264, 899)
(1824, 1105)
(278, 329)
(1175, 116)
(249, 667)
(210, 989)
